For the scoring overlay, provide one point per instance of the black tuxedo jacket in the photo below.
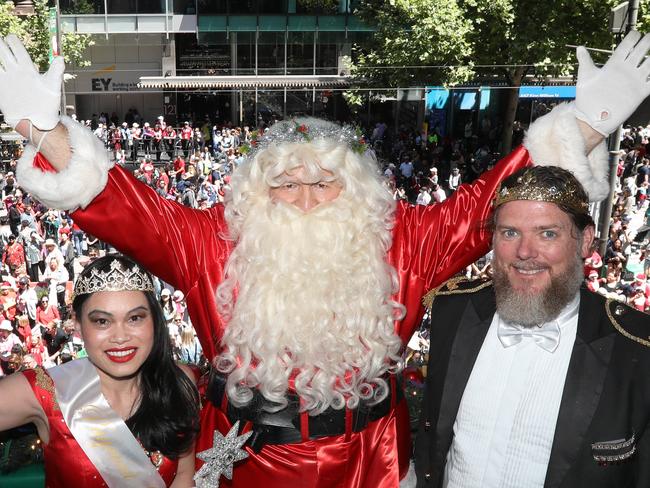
(601, 435)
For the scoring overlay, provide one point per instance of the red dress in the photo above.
(66, 464)
(47, 315)
(37, 351)
(181, 246)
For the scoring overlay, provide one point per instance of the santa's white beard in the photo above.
(313, 298)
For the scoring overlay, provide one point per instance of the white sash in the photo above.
(101, 433)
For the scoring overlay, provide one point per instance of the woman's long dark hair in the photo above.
(168, 305)
(167, 419)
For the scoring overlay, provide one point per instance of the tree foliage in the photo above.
(74, 46)
(643, 21)
(457, 35)
(33, 31)
(536, 34)
(414, 33)
(10, 22)
(500, 41)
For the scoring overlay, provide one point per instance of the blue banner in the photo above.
(547, 91)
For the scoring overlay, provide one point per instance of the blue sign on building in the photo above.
(547, 92)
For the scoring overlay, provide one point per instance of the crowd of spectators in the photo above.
(192, 165)
(622, 272)
(192, 162)
(39, 249)
(42, 251)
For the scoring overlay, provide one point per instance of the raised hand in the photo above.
(607, 96)
(24, 93)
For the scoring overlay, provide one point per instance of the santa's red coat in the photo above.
(185, 248)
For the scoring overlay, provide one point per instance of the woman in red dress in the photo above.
(127, 415)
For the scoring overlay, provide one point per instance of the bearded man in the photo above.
(306, 284)
(534, 381)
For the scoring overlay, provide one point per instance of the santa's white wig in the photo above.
(307, 296)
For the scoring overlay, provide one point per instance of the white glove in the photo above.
(24, 93)
(607, 96)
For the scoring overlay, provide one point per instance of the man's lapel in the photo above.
(583, 386)
(473, 326)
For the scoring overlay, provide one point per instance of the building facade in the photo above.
(230, 60)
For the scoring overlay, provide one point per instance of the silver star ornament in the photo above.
(221, 457)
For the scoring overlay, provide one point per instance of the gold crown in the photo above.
(119, 278)
(527, 188)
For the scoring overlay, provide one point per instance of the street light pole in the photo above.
(614, 153)
(60, 53)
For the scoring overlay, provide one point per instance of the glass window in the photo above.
(272, 23)
(356, 24)
(245, 52)
(317, 6)
(122, 6)
(270, 53)
(243, 7)
(151, 6)
(184, 7)
(212, 6)
(300, 53)
(212, 23)
(332, 23)
(242, 23)
(272, 6)
(81, 7)
(302, 22)
(209, 57)
(136, 6)
(327, 52)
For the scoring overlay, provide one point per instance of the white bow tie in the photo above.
(547, 337)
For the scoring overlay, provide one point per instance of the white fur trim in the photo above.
(79, 183)
(555, 140)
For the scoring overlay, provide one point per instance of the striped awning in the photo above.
(262, 81)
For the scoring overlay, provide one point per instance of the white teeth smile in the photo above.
(119, 354)
(529, 271)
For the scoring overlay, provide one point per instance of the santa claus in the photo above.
(304, 287)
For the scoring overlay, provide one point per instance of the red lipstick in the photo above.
(121, 355)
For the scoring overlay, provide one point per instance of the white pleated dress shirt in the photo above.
(503, 433)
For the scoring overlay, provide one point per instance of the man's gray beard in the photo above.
(534, 309)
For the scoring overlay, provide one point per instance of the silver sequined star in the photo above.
(219, 459)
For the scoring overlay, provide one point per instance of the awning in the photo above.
(263, 81)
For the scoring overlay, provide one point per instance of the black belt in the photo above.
(283, 427)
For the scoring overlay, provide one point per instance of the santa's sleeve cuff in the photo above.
(555, 140)
(79, 183)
